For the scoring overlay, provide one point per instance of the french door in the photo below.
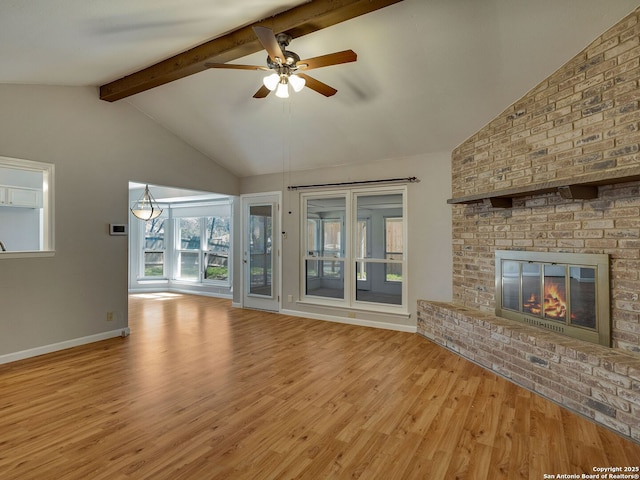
(261, 252)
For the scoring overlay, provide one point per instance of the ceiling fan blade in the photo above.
(235, 66)
(318, 86)
(262, 92)
(269, 42)
(336, 58)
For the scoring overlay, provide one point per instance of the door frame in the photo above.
(263, 198)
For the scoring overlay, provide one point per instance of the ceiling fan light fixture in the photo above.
(283, 88)
(271, 81)
(297, 83)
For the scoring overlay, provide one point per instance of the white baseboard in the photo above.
(54, 347)
(353, 321)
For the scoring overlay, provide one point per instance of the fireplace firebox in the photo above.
(567, 293)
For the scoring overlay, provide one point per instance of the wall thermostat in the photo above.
(117, 229)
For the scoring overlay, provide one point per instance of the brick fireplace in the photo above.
(557, 171)
(562, 292)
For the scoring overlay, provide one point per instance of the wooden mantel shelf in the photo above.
(578, 187)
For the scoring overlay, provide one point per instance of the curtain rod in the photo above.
(363, 182)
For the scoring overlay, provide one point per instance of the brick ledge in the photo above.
(600, 383)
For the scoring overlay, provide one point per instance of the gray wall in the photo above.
(429, 229)
(97, 148)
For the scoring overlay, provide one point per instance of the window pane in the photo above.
(189, 233)
(325, 278)
(393, 236)
(325, 227)
(260, 282)
(153, 264)
(384, 233)
(154, 234)
(260, 258)
(378, 291)
(217, 267)
(218, 232)
(189, 266)
(393, 271)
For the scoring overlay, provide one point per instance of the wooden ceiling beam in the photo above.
(298, 21)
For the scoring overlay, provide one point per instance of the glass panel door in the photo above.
(260, 250)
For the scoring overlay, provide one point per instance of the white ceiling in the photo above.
(429, 72)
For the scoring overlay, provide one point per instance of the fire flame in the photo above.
(554, 303)
(532, 305)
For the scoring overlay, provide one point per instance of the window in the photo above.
(154, 248)
(189, 242)
(26, 208)
(382, 266)
(203, 243)
(354, 252)
(188, 248)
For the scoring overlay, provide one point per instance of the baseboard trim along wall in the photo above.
(352, 321)
(54, 347)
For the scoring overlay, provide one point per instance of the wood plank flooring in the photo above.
(204, 391)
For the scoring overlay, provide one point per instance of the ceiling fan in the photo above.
(286, 66)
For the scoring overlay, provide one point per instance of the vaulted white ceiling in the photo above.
(429, 72)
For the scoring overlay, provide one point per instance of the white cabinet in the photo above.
(20, 197)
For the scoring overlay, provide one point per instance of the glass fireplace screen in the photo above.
(565, 293)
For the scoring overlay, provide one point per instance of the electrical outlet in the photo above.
(289, 298)
(109, 316)
(351, 314)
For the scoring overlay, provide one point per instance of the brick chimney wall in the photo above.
(583, 119)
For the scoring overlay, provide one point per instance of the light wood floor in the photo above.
(203, 391)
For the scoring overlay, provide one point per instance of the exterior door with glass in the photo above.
(261, 252)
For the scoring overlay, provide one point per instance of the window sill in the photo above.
(147, 280)
(28, 254)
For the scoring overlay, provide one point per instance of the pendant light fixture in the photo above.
(146, 208)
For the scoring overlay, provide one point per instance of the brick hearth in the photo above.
(598, 382)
